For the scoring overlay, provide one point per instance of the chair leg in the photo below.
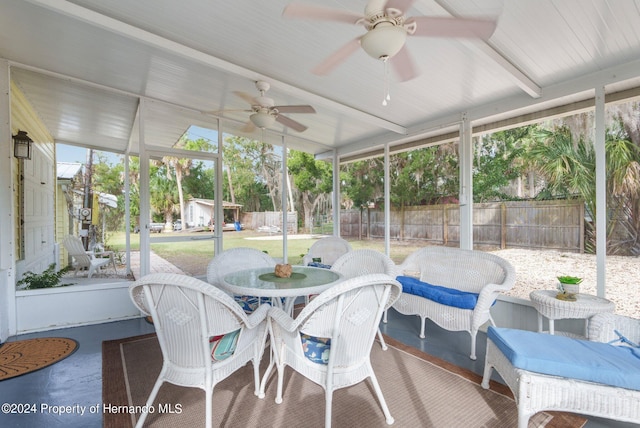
(152, 397)
(328, 395)
(486, 376)
(208, 396)
(376, 386)
(423, 320)
(473, 334)
(265, 378)
(523, 419)
(383, 344)
(280, 370)
(256, 376)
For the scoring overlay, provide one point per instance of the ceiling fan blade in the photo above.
(402, 5)
(403, 65)
(326, 66)
(305, 11)
(248, 127)
(295, 109)
(290, 123)
(248, 98)
(452, 27)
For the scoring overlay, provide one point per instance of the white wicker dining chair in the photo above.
(362, 262)
(327, 249)
(234, 260)
(203, 334)
(342, 321)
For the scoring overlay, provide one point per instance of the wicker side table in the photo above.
(553, 309)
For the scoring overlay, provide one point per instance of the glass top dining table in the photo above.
(262, 282)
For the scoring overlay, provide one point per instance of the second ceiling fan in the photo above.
(387, 30)
(265, 113)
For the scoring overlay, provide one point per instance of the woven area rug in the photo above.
(25, 356)
(421, 391)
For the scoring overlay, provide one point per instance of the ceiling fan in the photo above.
(264, 112)
(387, 30)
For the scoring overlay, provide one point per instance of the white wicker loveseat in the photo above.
(460, 271)
(589, 377)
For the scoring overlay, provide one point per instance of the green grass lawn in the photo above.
(201, 244)
(193, 254)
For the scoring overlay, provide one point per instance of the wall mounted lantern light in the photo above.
(22, 145)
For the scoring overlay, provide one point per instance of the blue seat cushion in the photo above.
(563, 356)
(319, 265)
(316, 349)
(250, 303)
(437, 293)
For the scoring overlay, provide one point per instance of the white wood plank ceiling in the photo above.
(85, 64)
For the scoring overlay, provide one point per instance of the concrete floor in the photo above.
(77, 380)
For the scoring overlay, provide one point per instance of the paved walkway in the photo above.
(158, 264)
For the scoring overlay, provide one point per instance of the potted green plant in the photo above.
(568, 287)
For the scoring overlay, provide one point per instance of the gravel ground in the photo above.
(537, 270)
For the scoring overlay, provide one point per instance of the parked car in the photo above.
(177, 225)
(156, 227)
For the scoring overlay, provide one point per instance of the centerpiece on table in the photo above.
(568, 287)
(283, 270)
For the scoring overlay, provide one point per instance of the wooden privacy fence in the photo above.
(519, 224)
(254, 220)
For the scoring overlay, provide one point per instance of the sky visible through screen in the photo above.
(75, 154)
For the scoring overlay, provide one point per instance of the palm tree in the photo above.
(568, 166)
(163, 195)
(181, 168)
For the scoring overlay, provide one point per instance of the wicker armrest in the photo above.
(603, 327)
(258, 315)
(283, 319)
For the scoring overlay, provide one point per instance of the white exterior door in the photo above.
(38, 215)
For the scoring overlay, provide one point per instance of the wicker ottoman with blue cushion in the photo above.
(547, 372)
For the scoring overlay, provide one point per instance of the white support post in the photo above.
(7, 225)
(387, 202)
(145, 198)
(466, 184)
(601, 192)
(218, 214)
(127, 212)
(336, 193)
(285, 192)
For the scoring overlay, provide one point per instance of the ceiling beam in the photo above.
(118, 27)
(523, 81)
(562, 98)
(519, 78)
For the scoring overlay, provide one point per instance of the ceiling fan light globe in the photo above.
(384, 41)
(262, 120)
